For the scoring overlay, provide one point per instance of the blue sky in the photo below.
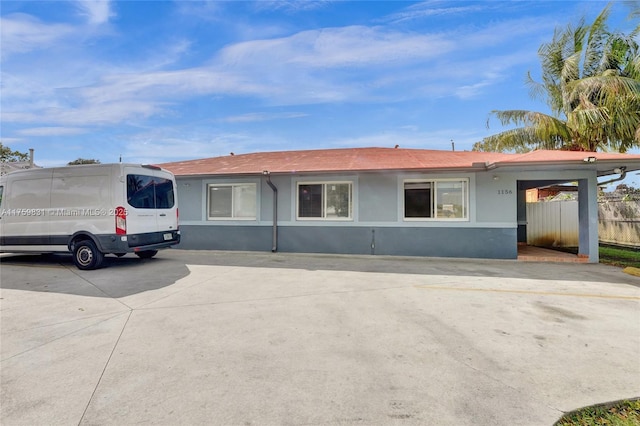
(160, 81)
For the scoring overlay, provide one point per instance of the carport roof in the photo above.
(398, 159)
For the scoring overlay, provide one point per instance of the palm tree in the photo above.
(591, 82)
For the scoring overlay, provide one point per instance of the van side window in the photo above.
(149, 192)
(1, 195)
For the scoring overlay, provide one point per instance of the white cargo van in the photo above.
(89, 210)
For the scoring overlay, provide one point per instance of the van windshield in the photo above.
(149, 192)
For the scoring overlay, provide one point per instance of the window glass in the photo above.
(330, 200)
(451, 200)
(338, 200)
(1, 195)
(149, 192)
(310, 200)
(417, 199)
(233, 201)
(220, 201)
(164, 194)
(436, 199)
(244, 201)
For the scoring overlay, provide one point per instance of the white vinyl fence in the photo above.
(552, 224)
(555, 223)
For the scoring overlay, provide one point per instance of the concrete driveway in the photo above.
(222, 338)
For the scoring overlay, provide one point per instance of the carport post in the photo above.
(588, 219)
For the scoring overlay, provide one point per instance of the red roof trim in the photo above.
(372, 159)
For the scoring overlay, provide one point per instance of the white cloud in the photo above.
(171, 144)
(261, 116)
(52, 131)
(346, 64)
(96, 11)
(22, 33)
(292, 5)
(336, 47)
(12, 141)
(433, 8)
(125, 110)
(206, 10)
(407, 138)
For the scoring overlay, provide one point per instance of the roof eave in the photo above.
(474, 168)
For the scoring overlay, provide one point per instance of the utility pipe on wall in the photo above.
(623, 174)
(274, 246)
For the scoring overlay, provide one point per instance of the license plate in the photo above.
(168, 237)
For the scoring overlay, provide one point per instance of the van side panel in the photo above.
(25, 206)
(81, 202)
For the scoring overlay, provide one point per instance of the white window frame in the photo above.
(324, 200)
(233, 201)
(434, 200)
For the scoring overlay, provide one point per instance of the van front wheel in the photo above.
(146, 254)
(86, 255)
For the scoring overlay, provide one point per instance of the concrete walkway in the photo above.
(538, 254)
(216, 338)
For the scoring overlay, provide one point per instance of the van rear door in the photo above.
(166, 202)
(151, 200)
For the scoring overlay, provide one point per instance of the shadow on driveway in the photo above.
(119, 277)
(129, 275)
(410, 265)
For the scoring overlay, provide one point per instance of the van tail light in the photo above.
(121, 221)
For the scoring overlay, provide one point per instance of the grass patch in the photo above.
(619, 256)
(623, 413)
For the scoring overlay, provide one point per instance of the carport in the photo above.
(587, 170)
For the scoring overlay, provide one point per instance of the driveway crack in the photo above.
(95, 389)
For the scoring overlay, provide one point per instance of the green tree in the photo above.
(591, 82)
(7, 155)
(83, 161)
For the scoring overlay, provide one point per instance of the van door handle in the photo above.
(163, 214)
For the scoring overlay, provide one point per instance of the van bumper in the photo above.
(137, 242)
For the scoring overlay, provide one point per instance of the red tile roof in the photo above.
(371, 159)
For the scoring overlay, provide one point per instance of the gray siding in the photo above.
(434, 242)
(190, 199)
(495, 197)
(377, 226)
(243, 238)
(377, 198)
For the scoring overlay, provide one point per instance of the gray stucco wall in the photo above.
(377, 198)
(377, 225)
(492, 243)
(495, 198)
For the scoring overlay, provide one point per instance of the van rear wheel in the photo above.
(86, 255)
(146, 254)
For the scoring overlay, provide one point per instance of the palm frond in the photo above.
(596, 38)
(591, 81)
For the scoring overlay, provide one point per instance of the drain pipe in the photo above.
(623, 174)
(274, 246)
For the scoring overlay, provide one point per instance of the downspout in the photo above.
(274, 238)
(623, 174)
